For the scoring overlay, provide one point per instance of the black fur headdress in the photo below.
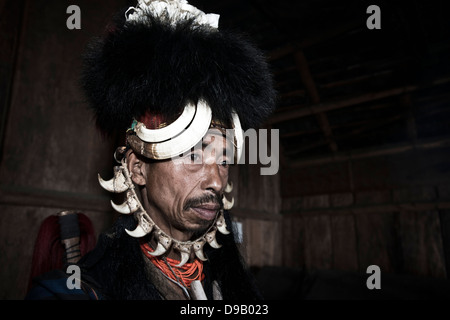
(158, 67)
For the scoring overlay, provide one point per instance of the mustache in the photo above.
(208, 198)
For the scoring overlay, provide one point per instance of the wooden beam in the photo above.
(319, 37)
(26, 196)
(389, 150)
(354, 80)
(367, 127)
(360, 123)
(293, 93)
(405, 101)
(376, 208)
(303, 111)
(308, 82)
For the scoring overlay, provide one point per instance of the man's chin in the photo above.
(200, 228)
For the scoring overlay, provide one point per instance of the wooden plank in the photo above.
(421, 244)
(318, 246)
(444, 221)
(293, 242)
(345, 254)
(431, 243)
(256, 243)
(329, 178)
(253, 244)
(375, 240)
(271, 241)
(246, 230)
(262, 241)
(406, 229)
(250, 201)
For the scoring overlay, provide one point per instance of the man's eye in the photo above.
(194, 157)
(224, 163)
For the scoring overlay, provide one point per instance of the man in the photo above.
(183, 91)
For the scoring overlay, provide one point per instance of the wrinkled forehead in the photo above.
(219, 139)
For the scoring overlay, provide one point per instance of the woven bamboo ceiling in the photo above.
(344, 90)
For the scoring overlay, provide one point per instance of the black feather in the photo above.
(138, 67)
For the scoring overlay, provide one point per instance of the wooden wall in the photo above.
(391, 211)
(386, 210)
(257, 207)
(50, 150)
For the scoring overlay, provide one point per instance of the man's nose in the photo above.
(213, 179)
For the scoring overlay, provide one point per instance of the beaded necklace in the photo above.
(183, 275)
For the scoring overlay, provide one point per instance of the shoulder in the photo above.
(57, 285)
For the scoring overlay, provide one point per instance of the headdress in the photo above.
(165, 73)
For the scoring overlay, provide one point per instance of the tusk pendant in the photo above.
(229, 187)
(184, 258)
(164, 243)
(227, 205)
(198, 249)
(211, 239)
(116, 184)
(158, 251)
(222, 225)
(139, 232)
(129, 206)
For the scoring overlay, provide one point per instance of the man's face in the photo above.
(185, 193)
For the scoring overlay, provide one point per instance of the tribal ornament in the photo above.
(180, 135)
(121, 182)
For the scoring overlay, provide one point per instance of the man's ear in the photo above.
(137, 169)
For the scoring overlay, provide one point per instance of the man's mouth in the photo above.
(207, 211)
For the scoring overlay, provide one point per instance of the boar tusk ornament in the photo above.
(229, 187)
(116, 184)
(121, 182)
(131, 205)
